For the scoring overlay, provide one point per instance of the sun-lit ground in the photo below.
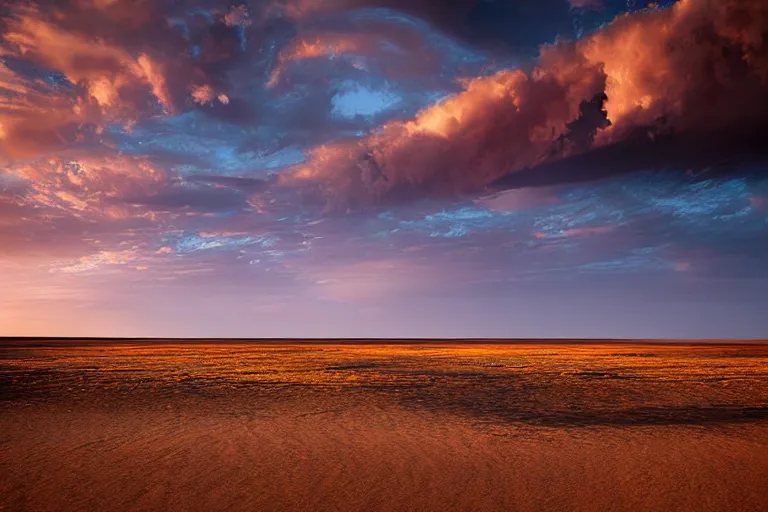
(238, 426)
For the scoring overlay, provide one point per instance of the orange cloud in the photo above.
(655, 68)
(121, 62)
(205, 95)
(238, 16)
(35, 118)
(505, 121)
(320, 45)
(701, 64)
(104, 69)
(90, 185)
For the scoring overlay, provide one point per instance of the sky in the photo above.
(384, 168)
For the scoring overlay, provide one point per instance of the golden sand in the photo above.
(384, 427)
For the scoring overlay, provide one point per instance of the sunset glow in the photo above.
(325, 169)
(383, 255)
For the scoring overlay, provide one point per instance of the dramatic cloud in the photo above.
(668, 64)
(70, 70)
(652, 70)
(250, 161)
(106, 73)
(505, 121)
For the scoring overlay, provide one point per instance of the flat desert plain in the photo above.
(208, 426)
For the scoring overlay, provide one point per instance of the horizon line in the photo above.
(386, 340)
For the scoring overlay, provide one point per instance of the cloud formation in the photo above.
(652, 70)
(174, 148)
(70, 70)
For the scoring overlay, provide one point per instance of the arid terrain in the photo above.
(151, 426)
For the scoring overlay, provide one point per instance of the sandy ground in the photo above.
(629, 427)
